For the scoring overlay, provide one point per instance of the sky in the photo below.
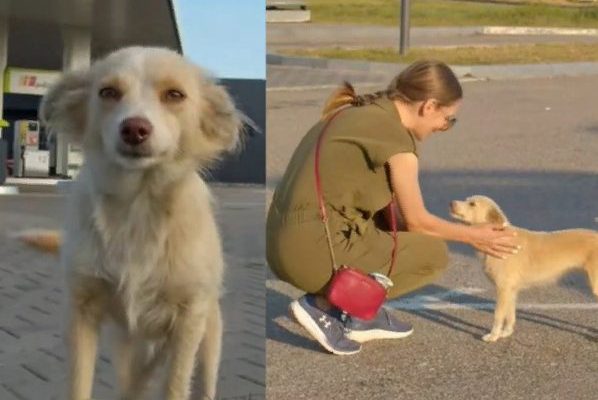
(226, 37)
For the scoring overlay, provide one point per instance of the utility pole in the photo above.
(404, 40)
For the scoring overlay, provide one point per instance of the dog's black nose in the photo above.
(135, 130)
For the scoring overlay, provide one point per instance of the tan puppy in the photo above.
(140, 244)
(543, 258)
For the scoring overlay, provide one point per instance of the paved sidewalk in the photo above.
(32, 352)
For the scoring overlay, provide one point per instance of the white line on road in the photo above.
(447, 294)
(411, 305)
(449, 300)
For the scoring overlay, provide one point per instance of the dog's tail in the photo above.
(45, 240)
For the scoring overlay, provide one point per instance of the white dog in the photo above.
(141, 245)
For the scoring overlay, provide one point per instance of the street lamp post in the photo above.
(404, 40)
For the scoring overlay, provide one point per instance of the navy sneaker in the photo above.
(383, 326)
(326, 327)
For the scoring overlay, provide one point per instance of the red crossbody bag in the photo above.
(351, 290)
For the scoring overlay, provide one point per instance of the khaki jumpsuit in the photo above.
(355, 149)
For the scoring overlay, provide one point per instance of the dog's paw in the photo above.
(506, 333)
(490, 337)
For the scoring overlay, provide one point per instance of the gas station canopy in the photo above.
(36, 27)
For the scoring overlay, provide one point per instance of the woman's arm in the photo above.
(404, 176)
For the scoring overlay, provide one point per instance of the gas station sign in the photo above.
(29, 81)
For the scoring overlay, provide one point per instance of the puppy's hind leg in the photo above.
(592, 270)
(504, 300)
(136, 362)
(209, 352)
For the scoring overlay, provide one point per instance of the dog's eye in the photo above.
(173, 95)
(110, 93)
(472, 203)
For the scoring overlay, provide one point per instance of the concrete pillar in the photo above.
(3, 61)
(76, 54)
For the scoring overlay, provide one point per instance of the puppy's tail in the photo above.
(45, 240)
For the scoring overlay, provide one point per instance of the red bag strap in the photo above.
(324, 215)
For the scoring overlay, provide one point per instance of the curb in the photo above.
(8, 190)
(319, 28)
(527, 30)
(62, 186)
(501, 71)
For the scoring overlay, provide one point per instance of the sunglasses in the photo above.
(451, 120)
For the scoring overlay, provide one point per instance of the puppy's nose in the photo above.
(453, 204)
(135, 130)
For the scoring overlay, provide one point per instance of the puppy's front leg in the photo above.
(509, 326)
(503, 302)
(184, 343)
(88, 309)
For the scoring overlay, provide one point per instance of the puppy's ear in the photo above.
(221, 122)
(495, 217)
(64, 108)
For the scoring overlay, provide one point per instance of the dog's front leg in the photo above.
(510, 318)
(209, 352)
(187, 334)
(503, 303)
(88, 310)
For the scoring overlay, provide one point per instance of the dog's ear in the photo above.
(495, 217)
(64, 108)
(221, 122)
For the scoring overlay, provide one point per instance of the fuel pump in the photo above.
(31, 156)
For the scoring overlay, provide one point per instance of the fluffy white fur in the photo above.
(141, 245)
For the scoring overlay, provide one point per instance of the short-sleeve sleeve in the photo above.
(378, 133)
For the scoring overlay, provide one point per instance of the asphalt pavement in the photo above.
(531, 145)
(314, 35)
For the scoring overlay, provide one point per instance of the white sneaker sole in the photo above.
(305, 320)
(376, 334)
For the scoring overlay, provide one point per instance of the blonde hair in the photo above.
(420, 81)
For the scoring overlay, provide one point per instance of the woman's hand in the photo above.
(494, 240)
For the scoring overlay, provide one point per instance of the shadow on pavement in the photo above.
(277, 309)
(451, 321)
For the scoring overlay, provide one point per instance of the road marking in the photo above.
(446, 294)
(414, 306)
(449, 300)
